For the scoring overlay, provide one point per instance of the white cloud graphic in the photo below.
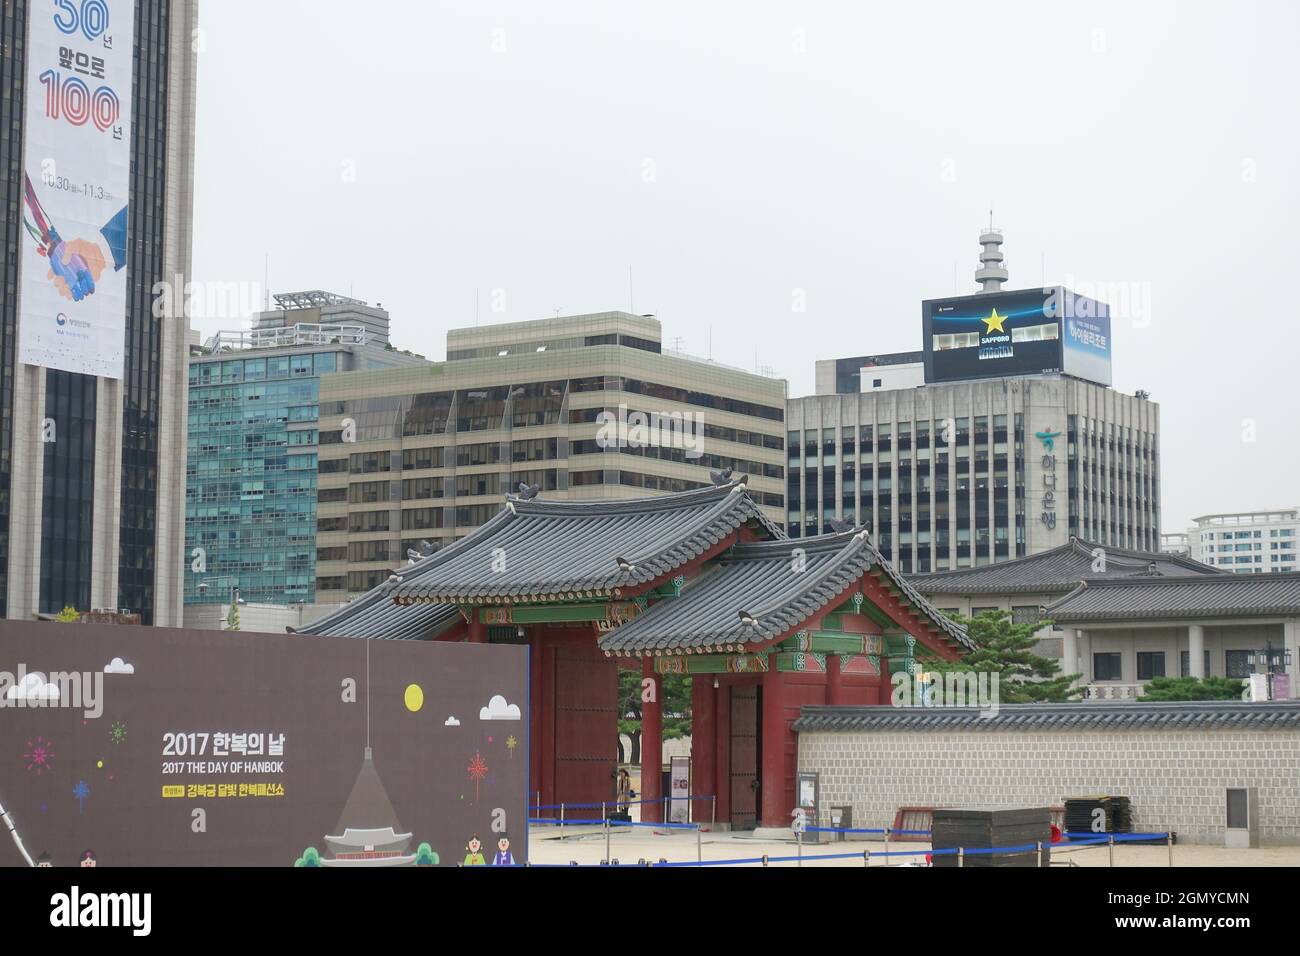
(119, 666)
(33, 687)
(451, 722)
(498, 709)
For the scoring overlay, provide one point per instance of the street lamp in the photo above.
(1271, 658)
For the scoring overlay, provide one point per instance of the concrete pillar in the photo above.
(1196, 650)
(834, 681)
(1070, 651)
(774, 812)
(1290, 640)
(652, 743)
(1084, 639)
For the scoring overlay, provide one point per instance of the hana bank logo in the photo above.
(1048, 438)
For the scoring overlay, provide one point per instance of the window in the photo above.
(976, 611)
(1237, 663)
(1107, 666)
(1184, 664)
(1150, 664)
(1025, 614)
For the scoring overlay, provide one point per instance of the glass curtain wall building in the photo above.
(254, 406)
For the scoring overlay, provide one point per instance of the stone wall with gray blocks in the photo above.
(1175, 779)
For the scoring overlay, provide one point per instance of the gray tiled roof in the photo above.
(1181, 598)
(759, 579)
(374, 614)
(1181, 715)
(1058, 571)
(549, 548)
(553, 550)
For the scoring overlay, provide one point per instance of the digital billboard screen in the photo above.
(1025, 332)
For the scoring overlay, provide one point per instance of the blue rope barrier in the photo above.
(551, 821)
(611, 803)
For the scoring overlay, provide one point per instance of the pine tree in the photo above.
(1007, 649)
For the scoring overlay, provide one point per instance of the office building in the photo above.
(92, 369)
(254, 404)
(1247, 542)
(1012, 444)
(587, 406)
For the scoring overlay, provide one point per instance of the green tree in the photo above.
(1007, 650)
(310, 857)
(232, 616)
(69, 615)
(674, 698)
(424, 856)
(1193, 688)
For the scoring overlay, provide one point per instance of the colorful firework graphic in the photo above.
(117, 733)
(478, 769)
(39, 755)
(511, 744)
(81, 791)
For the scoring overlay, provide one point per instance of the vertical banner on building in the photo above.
(76, 181)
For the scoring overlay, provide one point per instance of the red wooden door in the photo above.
(586, 723)
(745, 752)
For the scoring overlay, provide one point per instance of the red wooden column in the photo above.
(535, 721)
(774, 812)
(652, 744)
(704, 731)
(834, 681)
(477, 629)
(722, 747)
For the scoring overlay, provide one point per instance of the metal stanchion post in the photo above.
(603, 814)
(713, 816)
(798, 842)
(866, 857)
(961, 856)
(606, 822)
(699, 846)
(1110, 848)
(561, 821)
(1169, 839)
(1039, 850)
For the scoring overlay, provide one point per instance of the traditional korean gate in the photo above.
(745, 750)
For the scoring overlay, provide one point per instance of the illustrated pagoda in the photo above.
(368, 826)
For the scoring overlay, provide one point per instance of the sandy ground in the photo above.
(586, 845)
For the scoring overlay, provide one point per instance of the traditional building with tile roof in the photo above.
(1124, 617)
(699, 583)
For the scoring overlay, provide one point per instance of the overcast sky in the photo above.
(749, 158)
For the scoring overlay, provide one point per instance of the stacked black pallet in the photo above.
(1017, 831)
(1102, 814)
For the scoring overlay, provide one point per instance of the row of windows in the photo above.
(1108, 665)
(262, 369)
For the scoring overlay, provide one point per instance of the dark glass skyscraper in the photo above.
(95, 518)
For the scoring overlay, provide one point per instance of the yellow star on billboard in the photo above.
(994, 323)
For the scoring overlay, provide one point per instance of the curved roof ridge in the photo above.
(597, 507)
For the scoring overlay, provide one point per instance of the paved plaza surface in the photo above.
(586, 845)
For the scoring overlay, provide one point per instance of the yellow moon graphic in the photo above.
(414, 698)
